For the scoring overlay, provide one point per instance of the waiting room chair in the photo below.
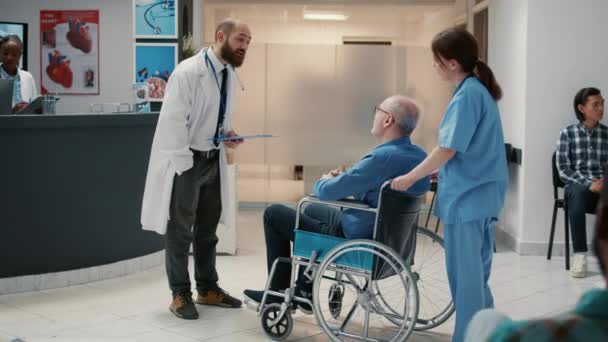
(559, 203)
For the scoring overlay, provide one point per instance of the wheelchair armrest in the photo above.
(343, 203)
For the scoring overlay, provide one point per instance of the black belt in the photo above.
(205, 154)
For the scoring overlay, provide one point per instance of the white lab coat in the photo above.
(28, 86)
(190, 94)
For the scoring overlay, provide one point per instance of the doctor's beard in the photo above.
(234, 57)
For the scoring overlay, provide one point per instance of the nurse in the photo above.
(472, 172)
(24, 89)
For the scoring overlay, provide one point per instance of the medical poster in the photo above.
(155, 19)
(69, 52)
(154, 63)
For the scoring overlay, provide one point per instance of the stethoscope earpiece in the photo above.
(208, 63)
(238, 78)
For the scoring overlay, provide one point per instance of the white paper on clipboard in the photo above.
(244, 137)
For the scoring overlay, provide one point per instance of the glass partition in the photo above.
(317, 100)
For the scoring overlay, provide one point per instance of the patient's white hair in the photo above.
(405, 111)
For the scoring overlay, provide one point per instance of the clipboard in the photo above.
(35, 107)
(244, 137)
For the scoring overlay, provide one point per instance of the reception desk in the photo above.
(70, 192)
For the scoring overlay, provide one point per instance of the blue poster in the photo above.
(155, 19)
(154, 63)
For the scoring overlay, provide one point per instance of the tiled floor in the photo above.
(134, 308)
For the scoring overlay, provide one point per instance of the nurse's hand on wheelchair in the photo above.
(402, 183)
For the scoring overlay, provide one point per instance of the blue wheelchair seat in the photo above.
(306, 242)
(396, 225)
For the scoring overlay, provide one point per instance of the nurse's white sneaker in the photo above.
(579, 266)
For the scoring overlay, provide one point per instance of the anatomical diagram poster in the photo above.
(69, 52)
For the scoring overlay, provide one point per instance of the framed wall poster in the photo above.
(155, 19)
(69, 52)
(154, 63)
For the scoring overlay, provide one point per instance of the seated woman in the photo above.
(394, 121)
(587, 322)
(24, 90)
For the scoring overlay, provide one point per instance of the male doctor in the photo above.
(186, 182)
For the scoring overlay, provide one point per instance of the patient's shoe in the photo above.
(579, 266)
(254, 298)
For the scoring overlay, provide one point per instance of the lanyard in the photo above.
(217, 81)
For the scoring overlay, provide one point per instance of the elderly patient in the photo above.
(394, 121)
(587, 322)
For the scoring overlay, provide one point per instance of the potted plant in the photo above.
(188, 48)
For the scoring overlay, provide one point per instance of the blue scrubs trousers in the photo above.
(469, 247)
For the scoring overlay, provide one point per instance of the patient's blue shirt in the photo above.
(363, 181)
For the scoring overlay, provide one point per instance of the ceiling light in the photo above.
(325, 15)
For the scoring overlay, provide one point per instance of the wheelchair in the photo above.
(368, 290)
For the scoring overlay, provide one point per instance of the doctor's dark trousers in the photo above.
(195, 210)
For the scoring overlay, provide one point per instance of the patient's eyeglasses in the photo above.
(376, 108)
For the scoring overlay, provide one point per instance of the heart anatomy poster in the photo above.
(69, 52)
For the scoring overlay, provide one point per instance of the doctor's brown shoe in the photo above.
(218, 297)
(183, 307)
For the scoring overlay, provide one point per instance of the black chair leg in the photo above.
(552, 234)
(567, 242)
(428, 216)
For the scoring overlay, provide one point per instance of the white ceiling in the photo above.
(336, 2)
(289, 12)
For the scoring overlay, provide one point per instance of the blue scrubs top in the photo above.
(473, 184)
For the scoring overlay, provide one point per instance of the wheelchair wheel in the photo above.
(276, 330)
(431, 276)
(361, 317)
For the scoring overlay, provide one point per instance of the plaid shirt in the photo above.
(582, 153)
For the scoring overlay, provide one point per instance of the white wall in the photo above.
(197, 22)
(508, 24)
(116, 46)
(283, 23)
(561, 50)
(566, 52)
(409, 26)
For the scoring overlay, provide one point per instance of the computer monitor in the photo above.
(6, 97)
